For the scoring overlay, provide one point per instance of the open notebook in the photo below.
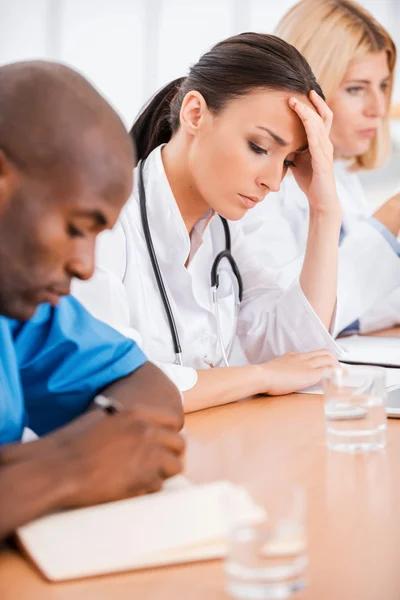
(182, 523)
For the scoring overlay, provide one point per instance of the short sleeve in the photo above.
(66, 357)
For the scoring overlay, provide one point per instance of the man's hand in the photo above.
(121, 455)
(97, 458)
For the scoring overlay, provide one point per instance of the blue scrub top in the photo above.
(52, 366)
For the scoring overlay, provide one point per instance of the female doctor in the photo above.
(212, 145)
(354, 59)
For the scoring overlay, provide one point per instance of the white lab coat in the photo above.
(369, 268)
(124, 293)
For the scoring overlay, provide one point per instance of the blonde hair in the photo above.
(331, 34)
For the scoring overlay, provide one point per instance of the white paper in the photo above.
(371, 350)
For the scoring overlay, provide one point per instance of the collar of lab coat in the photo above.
(170, 237)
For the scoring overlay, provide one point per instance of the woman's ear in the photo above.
(7, 181)
(194, 111)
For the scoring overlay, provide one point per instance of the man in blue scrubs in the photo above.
(65, 173)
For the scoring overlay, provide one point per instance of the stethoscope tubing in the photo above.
(160, 282)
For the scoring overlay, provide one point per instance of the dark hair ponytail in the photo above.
(230, 69)
(153, 128)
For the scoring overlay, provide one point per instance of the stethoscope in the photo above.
(214, 278)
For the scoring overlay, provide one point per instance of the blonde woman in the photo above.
(353, 58)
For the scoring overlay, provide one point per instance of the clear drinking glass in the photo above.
(355, 408)
(268, 559)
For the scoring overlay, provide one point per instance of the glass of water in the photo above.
(268, 559)
(355, 408)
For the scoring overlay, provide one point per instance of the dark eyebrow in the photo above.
(96, 215)
(281, 141)
(274, 136)
(302, 148)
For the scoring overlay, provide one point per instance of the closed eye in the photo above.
(257, 149)
(288, 164)
(73, 231)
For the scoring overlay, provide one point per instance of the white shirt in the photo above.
(369, 268)
(124, 293)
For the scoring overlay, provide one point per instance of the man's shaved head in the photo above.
(66, 165)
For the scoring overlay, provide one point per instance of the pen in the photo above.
(108, 405)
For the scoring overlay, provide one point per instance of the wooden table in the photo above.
(353, 508)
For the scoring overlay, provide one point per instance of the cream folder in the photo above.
(182, 523)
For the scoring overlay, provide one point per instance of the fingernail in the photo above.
(293, 101)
